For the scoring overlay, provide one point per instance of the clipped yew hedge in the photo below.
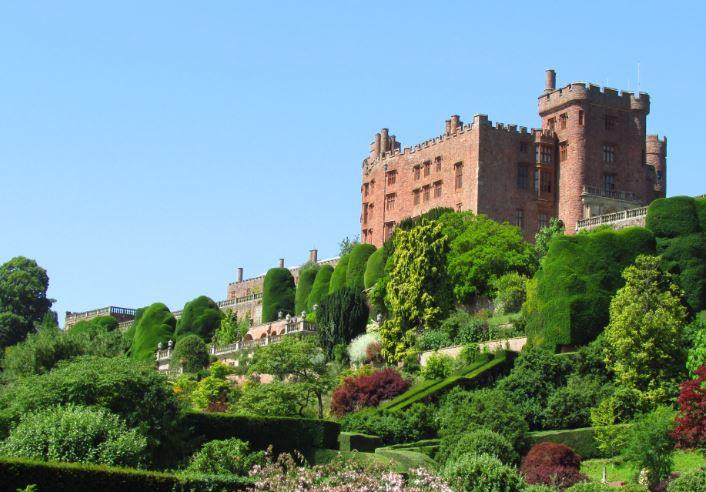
(355, 272)
(200, 317)
(356, 441)
(374, 268)
(278, 293)
(320, 287)
(307, 277)
(338, 278)
(156, 324)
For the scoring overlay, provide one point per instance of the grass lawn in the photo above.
(322, 456)
(502, 319)
(622, 472)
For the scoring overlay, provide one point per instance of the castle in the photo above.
(590, 157)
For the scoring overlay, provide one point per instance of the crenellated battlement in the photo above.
(655, 145)
(603, 96)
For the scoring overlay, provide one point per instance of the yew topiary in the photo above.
(320, 287)
(201, 317)
(278, 294)
(338, 278)
(357, 261)
(307, 277)
(156, 325)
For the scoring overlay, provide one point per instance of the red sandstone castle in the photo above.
(592, 156)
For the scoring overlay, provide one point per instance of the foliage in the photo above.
(580, 440)
(75, 434)
(694, 481)
(190, 353)
(690, 431)
(696, 357)
(129, 389)
(358, 348)
(482, 473)
(570, 406)
(275, 399)
(307, 277)
(338, 277)
(461, 411)
(320, 287)
(650, 445)
(374, 268)
(552, 463)
(483, 252)
(356, 441)
(418, 292)
(568, 298)
(412, 424)
(462, 328)
(23, 299)
(367, 390)
(644, 339)
(439, 366)
(672, 217)
(510, 292)
(616, 409)
(355, 272)
(346, 245)
(589, 487)
(434, 340)
(341, 317)
(546, 234)
(225, 457)
(100, 323)
(201, 317)
(278, 294)
(478, 441)
(231, 329)
(214, 392)
(156, 325)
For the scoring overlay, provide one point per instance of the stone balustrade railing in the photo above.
(626, 196)
(623, 218)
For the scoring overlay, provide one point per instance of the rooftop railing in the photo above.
(627, 196)
(612, 218)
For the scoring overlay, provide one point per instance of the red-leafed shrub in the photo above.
(372, 352)
(552, 463)
(690, 431)
(367, 391)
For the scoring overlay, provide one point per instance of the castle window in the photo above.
(437, 189)
(609, 122)
(563, 151)
(390, 201)
(520, 218)
(426, 193)
(427, 168)
(437, 161)
(365, 189)
(581, 117)
(536, 181)
(547, 185)
(372, 186)
(417, 195)
(522, 177)
(545, 154)
(562, 120)
(389, 228)
(417, 172)
(365, 213)
(609, 183)
(659, 176)
(523, 147)
(551, 123)
(608, 153)
(370, 211)
(391, 177)
(542, 220)
(458, 169)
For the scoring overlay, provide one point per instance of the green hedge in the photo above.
(349, 441)
(285, 434)
(568, 298)
(338, 278)
(374, 268)
(672, 217)
(581, 440)
(200, 317)
(426, 446)
(277, 294)
(107, 323)
(71, 477)
(156, 324)
(307, 277)
(357, 261)
(320, 287)
(407, 459)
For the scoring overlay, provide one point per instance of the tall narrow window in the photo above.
(547, 184)
(562, 120)
(370, 211)
(542, 220)
(563, 151)
(520, 218)
(609, 183)
(536, 181)
(417, 195)
(391, 177)
(546, 154)
(366, 189)
(417, 172)
(425, 191)
(372, 186)
(437, 163)
(581, 117)
(551, 123)
(608, 153)
(389, 228)
(437, 189)
(458, 170)
(609, 122)
(427, 168)
(659, 176)
(522, 177)
(365, 213)
(390, 201)
(523, 147)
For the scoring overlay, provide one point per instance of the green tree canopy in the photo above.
(278, 292)
(338, 278)
(546, 234)
(307, 277)
(190, 353)
(341, 317)
(355, 271)
(644, 341)
(200, 317)
(154, 326)
(320, 287)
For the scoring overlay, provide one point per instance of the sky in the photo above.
(148, 149)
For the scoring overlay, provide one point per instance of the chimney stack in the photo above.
(549, 81)
(313, 255)
(454, 123)
(281, 262)
(240, 274)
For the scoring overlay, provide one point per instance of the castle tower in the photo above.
(656, 160)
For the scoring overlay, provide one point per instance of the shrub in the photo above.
(412, 424)
(672, 217)
(278, 293)
(478, 441)
(201, 317)
(694, 481)
(374, 268)
(570, 406)
(320, 287)
(551, 463)
(107, 323)
(510, 292)
(225, 457)
(439, 366)
(307, 277)
(156, 325)
(341, 317)
(475, 330)
(690, 431)
(275, 399)
(190, 353)
(357, 262)
(355, 441)
(650, 445)
(434, 340)
(590, 487)
(696, 356)
(568, 298)
(461, 411)
(582, 441)
(75, 434)
(482, 473)
(358, 348)
(338, 277)
(367, 391)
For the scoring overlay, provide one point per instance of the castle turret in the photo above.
(549, 81)
(656, 161)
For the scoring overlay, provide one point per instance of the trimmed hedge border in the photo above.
(349, 441)
(70, 477)
(581, 440)
(285, 434)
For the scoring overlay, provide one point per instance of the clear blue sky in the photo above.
(147, 149)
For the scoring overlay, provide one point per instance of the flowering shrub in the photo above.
(690, 431)
(358, 348)
(289, 473)
(551, 463)
(367, 391)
